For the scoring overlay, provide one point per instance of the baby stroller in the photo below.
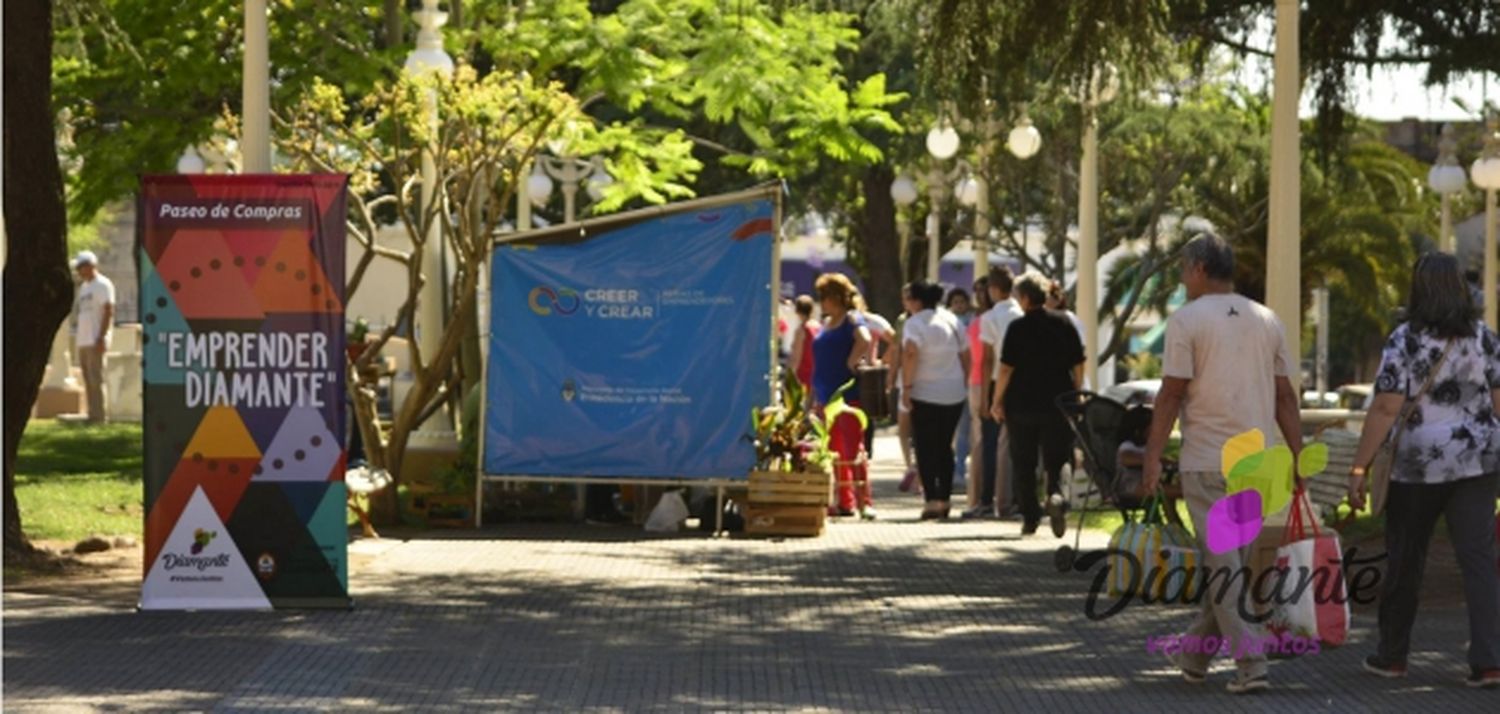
(1097, 423)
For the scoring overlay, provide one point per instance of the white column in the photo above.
(1088, 244)
(523, 199)
(1283, 254)
(1489, 259)
(934, 241)
(429, 58)
(430, 301)
(570, 197)
(935, 193)
(1320, 298)
(981, 242)
(255, 136)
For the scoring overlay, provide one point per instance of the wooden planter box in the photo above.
(787, 503)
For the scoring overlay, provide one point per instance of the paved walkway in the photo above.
(896, 616)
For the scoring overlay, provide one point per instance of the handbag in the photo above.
(1139, 556)
(1312, 602)
(870, 389)
(1379, 473)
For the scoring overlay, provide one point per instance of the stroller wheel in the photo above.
(1063, 558)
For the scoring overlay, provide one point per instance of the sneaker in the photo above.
(1188, 675)
(1485, 679)
(1057, 512)
(1029, 527)
(868, 513)
(1248, 685)
(1389, 671)
(976, 512)
(909, 478)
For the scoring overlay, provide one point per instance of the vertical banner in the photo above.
(242, 311)
(638, 351)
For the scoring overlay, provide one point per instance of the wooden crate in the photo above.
(790, 488)
(785, 520)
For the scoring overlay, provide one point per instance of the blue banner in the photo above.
(639, 351)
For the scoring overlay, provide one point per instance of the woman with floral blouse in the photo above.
(1448, 463)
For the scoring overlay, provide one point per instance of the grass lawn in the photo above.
(73, 481)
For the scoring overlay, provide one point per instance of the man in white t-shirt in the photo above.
(1225, 372)
(95, 313)
(994, 486)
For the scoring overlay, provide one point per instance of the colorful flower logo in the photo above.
(1260, 481)
(201, 539)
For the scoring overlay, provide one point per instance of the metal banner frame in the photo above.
(583, 230)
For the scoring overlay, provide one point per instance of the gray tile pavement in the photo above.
(891, 616)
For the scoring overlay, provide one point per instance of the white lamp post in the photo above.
(1284, 244)
(430, 57)
(255, 136)
(1102, 89)
(1486, 174)
(942, 144)
(570, 171)
(190, 162)
(903, 193)
(1447, 178)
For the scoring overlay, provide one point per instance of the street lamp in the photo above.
(1103, 87)
(570, 171)
(1486, 174)
(190, 162)
(1024, 140)
(943, 141)
(904, 193)
(429, 57)
(1446, 178)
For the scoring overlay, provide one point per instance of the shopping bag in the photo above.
(1311, 596)
(669, 514)
(1181, 580)
(1135, 560)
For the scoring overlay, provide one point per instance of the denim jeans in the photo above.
(961, 446)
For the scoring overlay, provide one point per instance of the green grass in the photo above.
(1109, 520)
(74, 481)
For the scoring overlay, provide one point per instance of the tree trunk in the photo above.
(394, 18)
(882, 244)
(38, 289)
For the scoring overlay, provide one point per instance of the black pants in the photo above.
(1411, 514)
(932, 427)
(990, 435)
(1031, 434)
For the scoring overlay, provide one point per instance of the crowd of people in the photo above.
(973, 381)
(977, 382)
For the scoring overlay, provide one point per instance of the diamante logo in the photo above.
(543, 300)
(201, 539)
(1260, 481)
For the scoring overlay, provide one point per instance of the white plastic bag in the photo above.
(669, 514)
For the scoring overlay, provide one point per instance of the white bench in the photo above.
(1328, 489)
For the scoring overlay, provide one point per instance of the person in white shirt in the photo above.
(934, 363)
(1225, 371)
(95, 311)
(994, 484)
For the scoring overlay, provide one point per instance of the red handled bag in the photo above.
(1311, 597)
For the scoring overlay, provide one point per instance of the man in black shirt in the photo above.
(1042, 358)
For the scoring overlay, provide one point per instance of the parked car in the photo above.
(1348, 410)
